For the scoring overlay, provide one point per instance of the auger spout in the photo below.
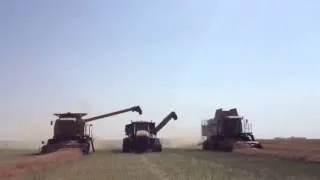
(134, 108)
(170, 116)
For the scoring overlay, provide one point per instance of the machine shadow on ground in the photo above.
(119, 151)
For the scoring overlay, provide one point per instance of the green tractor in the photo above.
(142, 135)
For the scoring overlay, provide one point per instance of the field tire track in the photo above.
(153, 168)
(216, 167)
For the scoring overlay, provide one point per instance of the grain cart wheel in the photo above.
(159, 149)
(157, 146)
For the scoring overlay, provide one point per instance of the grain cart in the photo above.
(141, 135)
(72, 131)
(226, 131)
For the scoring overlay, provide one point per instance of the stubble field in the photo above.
(171, 164)
(293, 149)
(12, 154)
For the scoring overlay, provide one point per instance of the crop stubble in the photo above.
(12, 154)
(176, 164)
(302, 150)
(18, 167)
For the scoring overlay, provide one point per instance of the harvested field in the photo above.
(302, 150)
(12, 154)
(309, 144)
(175, 164)
(17, 168)
(186, 163)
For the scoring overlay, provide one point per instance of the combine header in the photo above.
(142, 135)
(226, 131)
(72, 131)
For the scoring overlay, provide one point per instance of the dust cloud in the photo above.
(102, 143)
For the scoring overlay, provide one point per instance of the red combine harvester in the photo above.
(227, 131)
(72, 131)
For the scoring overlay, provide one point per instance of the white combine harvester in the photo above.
(226, 131)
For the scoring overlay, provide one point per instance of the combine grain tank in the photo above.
(226, 131)
(72, 131)
(141, 135)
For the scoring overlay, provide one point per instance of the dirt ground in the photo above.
(16, 169)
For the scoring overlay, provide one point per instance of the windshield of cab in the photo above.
(66, 128)
(141, 126)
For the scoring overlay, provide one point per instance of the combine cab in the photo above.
(72, 131)
(141, 135)
(226, 131)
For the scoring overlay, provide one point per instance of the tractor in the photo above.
(227, 131)
(72, 131)
(142, 135)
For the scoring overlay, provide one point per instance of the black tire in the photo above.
(44, 149)
(228, 145)
(157, 146)
(48, 149)
(86, 148)
(206, 145)
(125, 146)
(259, 146)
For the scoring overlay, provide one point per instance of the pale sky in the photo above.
(192, 57)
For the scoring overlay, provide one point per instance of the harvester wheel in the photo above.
(259, 146)
(206, 145)
(43, 150)
(228, 145)
(86, 148)
(48, 149)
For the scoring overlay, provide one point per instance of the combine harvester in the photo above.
(141, 135)
(72, 131)
(227, 131)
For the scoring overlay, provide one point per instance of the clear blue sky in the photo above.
(189, 56)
